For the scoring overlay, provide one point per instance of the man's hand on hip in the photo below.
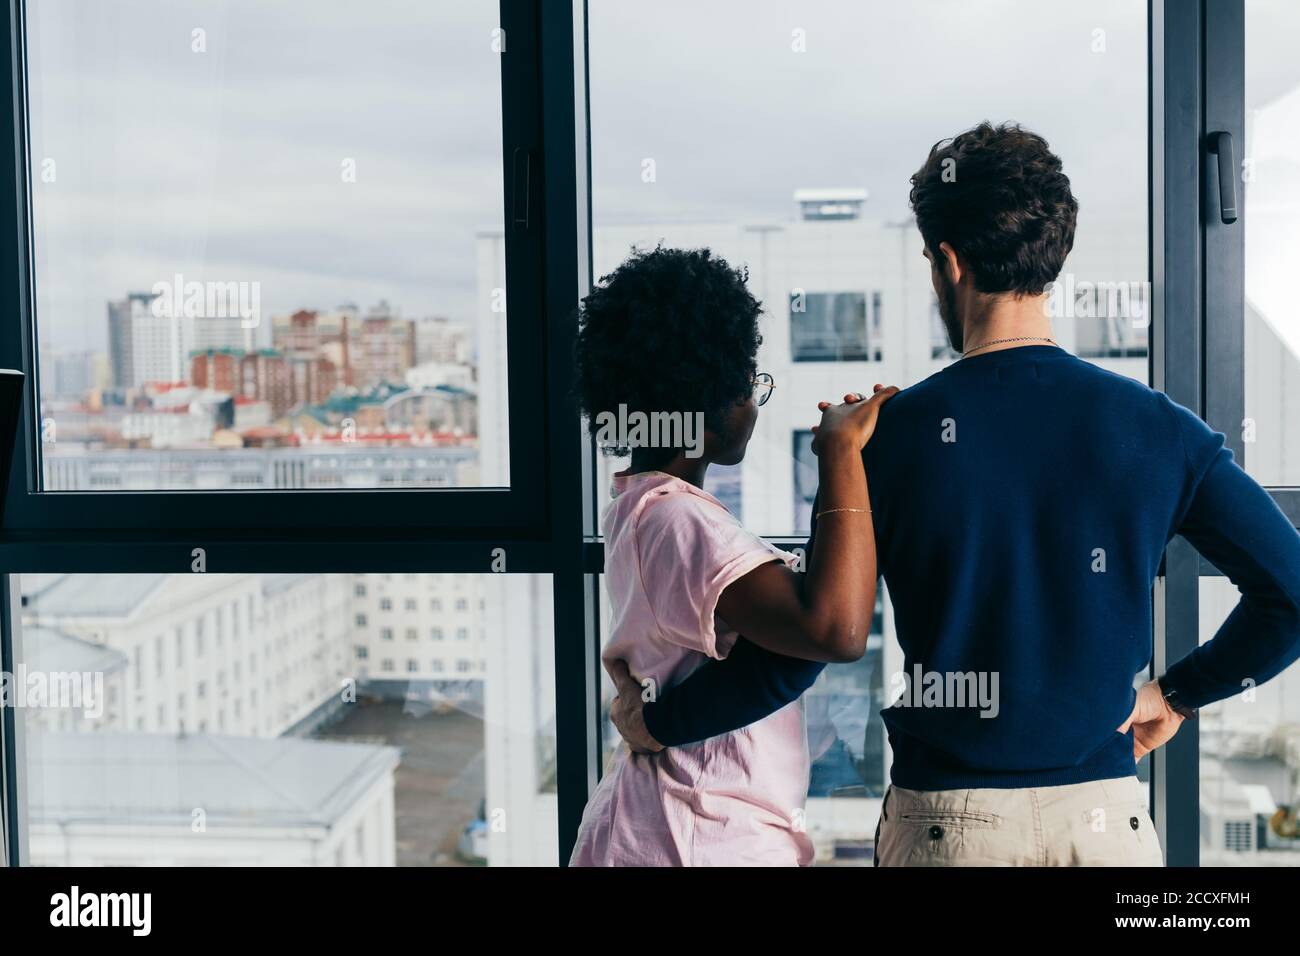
(1153, 721)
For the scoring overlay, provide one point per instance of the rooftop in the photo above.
(50, 650)
(91, 595)
(135, 778)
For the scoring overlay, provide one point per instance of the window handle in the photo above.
(1221, 145)
(522, 187)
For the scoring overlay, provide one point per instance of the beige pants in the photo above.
(1099, 823)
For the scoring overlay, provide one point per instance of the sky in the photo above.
(876, 85)
(227, 164)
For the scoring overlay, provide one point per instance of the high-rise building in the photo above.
(71, 373)
(444, 341)
(264, 375)
(365, 351)
(121, 340)
(221, 332)
(217, 369)
(381, 348)
(145, 345)
(419, 627)
(312, 334)
(312, 378)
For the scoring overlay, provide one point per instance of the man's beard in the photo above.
(948, 313)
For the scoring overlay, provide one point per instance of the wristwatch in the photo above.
(1174, 701)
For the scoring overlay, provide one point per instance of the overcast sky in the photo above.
(227, 164)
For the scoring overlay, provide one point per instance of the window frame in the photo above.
(1177, 334)
(364, 512)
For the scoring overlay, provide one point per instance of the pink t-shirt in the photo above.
(737, 799)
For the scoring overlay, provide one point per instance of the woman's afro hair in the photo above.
(669, 330)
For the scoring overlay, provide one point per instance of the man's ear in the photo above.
(952, 262)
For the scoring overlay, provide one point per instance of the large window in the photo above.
(288, 719)
(255, 245)
(831, 250)
(793, 161)
(1270, 186)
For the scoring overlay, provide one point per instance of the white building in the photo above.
(418, 627)
(431, 374)
(223, 332)
(190, 427)
(132, 799)
(161, 346)
(241, 654)
(493, 409)
(444, 341)
(314, 465)
(235, 657)
(251, 413)
(84, 682)
(481, 643)
(519, 720)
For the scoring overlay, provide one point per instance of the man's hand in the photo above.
(1153, 721)
(626, 712)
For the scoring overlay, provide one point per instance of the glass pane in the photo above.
(257, 249)
(1271, 185)
(1250, 752)
(848, 747)
(848, 744)
(850, 751)
(288, 719)
(793, 159)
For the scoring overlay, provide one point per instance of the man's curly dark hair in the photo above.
(998, 196)
(669, 330)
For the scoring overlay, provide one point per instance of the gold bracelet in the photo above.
(831, 511)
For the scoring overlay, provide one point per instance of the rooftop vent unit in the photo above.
(829, 204)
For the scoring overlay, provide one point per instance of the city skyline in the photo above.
(173, 381)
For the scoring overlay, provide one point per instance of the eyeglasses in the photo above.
(763, 385)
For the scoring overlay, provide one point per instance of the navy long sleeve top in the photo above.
(1022, 501)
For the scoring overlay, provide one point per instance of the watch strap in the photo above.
(1175, 702)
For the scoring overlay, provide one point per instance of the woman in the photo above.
(674, 332)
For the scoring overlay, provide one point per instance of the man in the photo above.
(1022, 500)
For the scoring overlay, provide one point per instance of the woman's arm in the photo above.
(716, 698)
(760, 675)
(828, 618)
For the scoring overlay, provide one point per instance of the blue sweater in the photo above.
(1022, 501)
